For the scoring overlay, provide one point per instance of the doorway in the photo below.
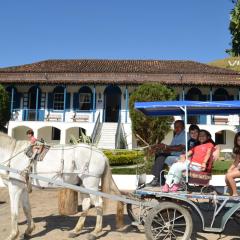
(112, 103)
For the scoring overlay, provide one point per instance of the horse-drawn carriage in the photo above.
(170, 215)
(164, 215)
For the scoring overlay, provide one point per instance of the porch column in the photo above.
(209, 117)
(37, 94)
(210, 95)
(12, 99)
(183, 93)
(63, 136)
(65, 103)
(126, 103)
(94, 102)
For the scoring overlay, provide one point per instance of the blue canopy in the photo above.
(171, 108)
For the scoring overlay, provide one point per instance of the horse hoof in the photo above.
(73, 235)
(91, 237)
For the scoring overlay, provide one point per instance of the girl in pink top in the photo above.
(200, 156)
(234, 170)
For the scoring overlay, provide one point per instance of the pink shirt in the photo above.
(200, 152)
(33, 140)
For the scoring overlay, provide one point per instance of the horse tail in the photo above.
(109, 186)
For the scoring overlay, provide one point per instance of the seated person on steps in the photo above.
(234, 170)
(200, 155)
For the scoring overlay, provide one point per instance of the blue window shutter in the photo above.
(68, 98)
(25, 100)
(50, 100)
(203, 119)
(76, 101)
(16, 100)
(91, 106)
(41, 115)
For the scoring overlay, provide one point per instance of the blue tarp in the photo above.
(173, 108)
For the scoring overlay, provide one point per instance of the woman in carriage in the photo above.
(200, 155)
(234, 170)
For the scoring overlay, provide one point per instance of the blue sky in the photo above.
(37, 30)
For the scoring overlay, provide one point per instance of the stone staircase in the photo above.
(107, 136)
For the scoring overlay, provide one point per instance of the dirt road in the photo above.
(49, 225)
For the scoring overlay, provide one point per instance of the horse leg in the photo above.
(98, 203)
(15, 192)
(27, 212)
(86, 203)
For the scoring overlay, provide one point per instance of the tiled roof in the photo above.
(118, 66)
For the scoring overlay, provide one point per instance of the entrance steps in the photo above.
(107, 136)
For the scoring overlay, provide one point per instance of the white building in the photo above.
(59, 98)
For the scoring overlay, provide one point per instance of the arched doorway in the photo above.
(195, 94)
(19, 133)
(112, 103)
(34, 98)
(222, 94)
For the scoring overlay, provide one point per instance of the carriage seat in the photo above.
(203, 178)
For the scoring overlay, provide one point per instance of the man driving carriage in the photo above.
(168, 153)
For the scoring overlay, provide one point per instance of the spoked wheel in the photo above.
(236, 216)
(139, 214)
(168, 221)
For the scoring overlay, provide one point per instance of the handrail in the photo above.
(95, 129)
(118, 132)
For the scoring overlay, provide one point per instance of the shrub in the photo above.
(124, 157)
(150, 129)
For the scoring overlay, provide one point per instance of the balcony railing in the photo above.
(33, 115)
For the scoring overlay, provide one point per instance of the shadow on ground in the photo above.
(67, 223)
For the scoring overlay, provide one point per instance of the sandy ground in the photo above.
(49, 225)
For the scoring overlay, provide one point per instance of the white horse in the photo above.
(72, 164)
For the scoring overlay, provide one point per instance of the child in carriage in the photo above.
(200, 155)
(234, 170)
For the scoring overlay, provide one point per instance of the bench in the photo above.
(53, 117)
(220, 120)
(80, 118)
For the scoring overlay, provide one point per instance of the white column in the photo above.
(63, 136)
(10, 131)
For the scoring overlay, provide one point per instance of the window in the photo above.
(85, 98)
(220, 137)
(58, 98)
(56, 133)
(85, 101)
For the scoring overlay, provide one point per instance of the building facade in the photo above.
(59, 99)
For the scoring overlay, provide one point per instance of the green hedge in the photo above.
(124, 157)
(219, 168)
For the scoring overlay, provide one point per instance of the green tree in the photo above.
(234, 28)
(150, 129)
(4, 107)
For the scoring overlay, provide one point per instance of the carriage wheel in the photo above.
(236, 216)
(139, 214)
(168, 221)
